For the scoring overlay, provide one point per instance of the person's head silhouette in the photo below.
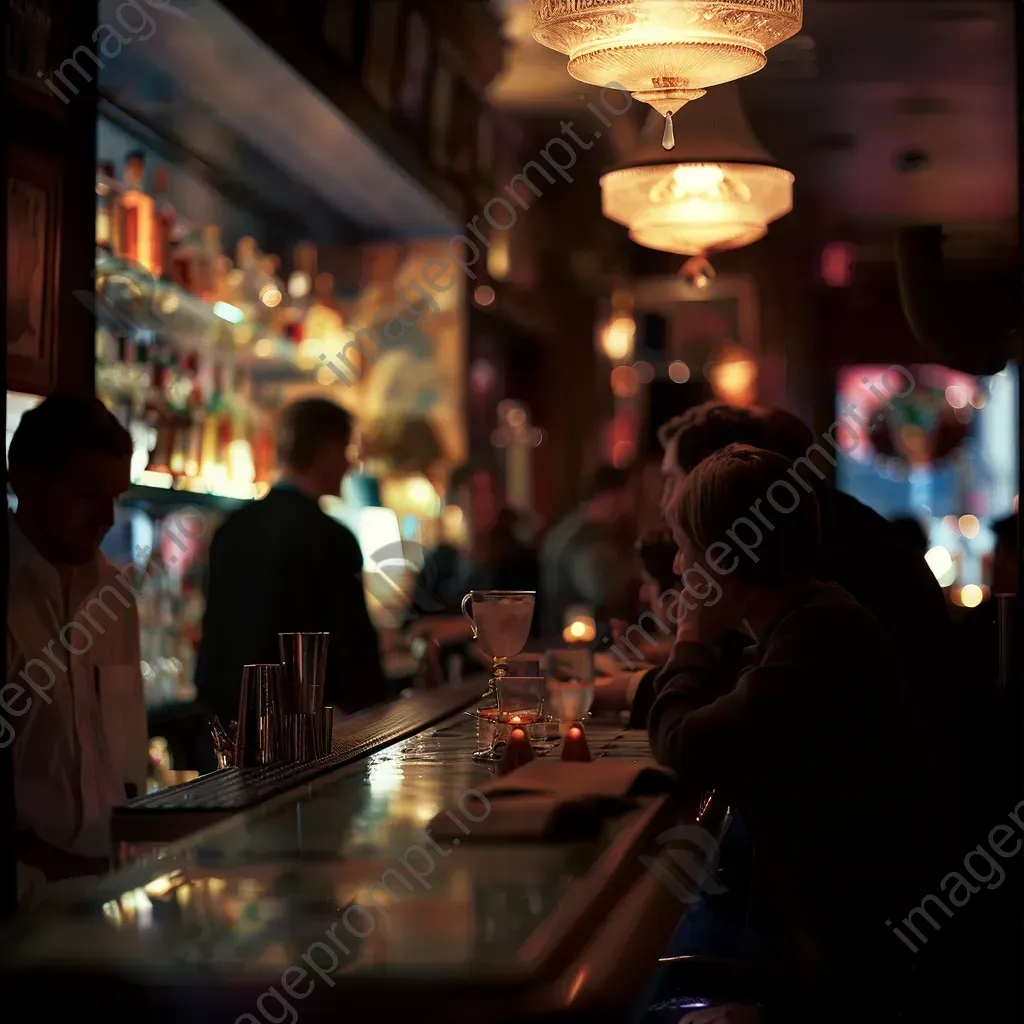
(68, 462)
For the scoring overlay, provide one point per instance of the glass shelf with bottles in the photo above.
(191, 347)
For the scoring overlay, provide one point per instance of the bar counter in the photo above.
(330, 898)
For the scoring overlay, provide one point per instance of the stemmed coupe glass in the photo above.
(501, 621)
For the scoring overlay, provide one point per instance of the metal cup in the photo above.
(304, 656)
(301, 737)
(257, 739)
(325, 730)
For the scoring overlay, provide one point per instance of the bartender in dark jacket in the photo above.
(282, 565)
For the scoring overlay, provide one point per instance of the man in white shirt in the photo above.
(72, 707)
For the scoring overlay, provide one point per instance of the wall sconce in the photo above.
(734, 377)
(617, 335)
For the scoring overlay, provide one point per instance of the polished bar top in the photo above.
(340, 869)
(172, 813)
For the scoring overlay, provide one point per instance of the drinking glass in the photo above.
(489, 733)
(569, 700)
(520, 699)
(304, 656)
(501, 621)
(258, 733)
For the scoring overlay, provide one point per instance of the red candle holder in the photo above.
(518, 750)
(574, 746)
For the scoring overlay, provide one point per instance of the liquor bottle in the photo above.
(300, 283)
(222, 280)
(271, 289)
(323, 322)
(166, 227)
(185, 263)
(210, 250)
(263, 449)
(247, 272)
(108, 210)
(140, 215)
(196, 414)
(209, 450)
(160, 456)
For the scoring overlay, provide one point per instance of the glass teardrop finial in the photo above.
(668, 138)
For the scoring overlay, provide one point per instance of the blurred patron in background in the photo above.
(491, 556)
(586, 559)
(491, 553)
(73, 704)
(282, 565)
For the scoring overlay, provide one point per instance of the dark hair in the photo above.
(910, 533)
(462, 476)
(606, 480)
(708, 428)
(304, 426)
(1006, 532)
(62, 427)
(720, 499)
(657, 551)
(786, 434)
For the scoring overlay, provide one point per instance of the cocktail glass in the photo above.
(501, 621)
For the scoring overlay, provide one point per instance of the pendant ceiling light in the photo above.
(720, 189)
(664, 52)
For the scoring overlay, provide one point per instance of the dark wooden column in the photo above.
(50, 199)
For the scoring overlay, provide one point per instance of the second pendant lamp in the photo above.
(718, 189)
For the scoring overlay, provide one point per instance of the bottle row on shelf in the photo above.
(194, 421)
(158, 272)
(192, 345)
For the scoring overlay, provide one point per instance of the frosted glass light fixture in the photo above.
(720, 191)
(664, 52)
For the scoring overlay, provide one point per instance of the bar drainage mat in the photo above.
(236, 789)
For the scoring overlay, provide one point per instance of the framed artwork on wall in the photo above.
(33, 262)
(700, 320)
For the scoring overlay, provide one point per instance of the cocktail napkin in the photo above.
(528, 816)
(572, 780)
(553, 801)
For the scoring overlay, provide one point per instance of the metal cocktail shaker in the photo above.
(258, 733)
(304, 657)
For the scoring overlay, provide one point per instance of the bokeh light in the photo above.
(625, 382)
(969, 526)
(679, 372)
(956, 396)
(644, 372)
